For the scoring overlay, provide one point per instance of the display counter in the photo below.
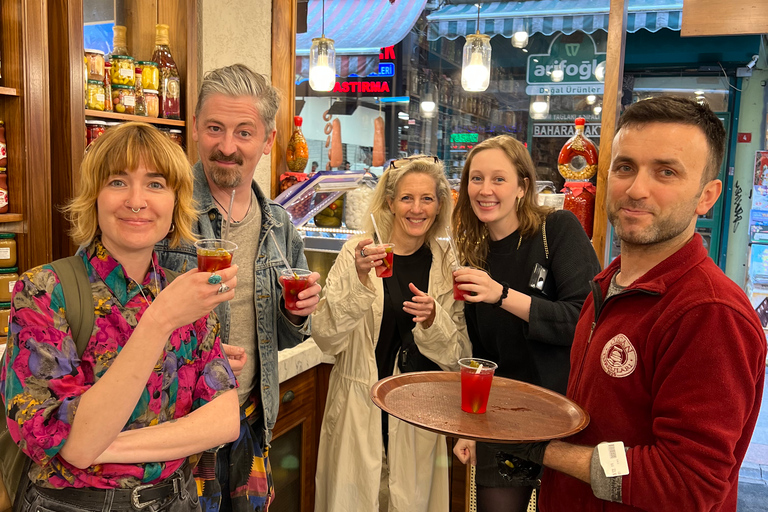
(304, 356)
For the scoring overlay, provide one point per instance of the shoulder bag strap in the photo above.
(78, 297)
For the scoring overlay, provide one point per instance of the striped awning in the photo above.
(346, 65)
(550, 16)
(359, 27)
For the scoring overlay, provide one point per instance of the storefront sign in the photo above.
(564, 130)
(576, 57)
(352, 86)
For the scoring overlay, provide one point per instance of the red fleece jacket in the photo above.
(675, 370)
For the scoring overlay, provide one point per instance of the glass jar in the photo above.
(123, 99)
(5, 315)
(95, 95)
(4, 200)
(8, 278)
(107, 87)
(7, 250)
(357, 202)
(122, 70)
(152, 101)
(140, 108)
(176, 137)
(119, 40)
(95, 64)
(93, 130)
(297, 152)
(150, 75)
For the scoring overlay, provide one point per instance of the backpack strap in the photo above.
(78, 297)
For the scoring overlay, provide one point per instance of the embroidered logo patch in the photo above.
(619, 358)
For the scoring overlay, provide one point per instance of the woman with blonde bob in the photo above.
(377, 327)
(530, 269)
(112, 429)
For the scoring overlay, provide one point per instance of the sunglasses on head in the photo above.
(395, 164)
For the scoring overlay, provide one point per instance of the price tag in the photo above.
(613, 459)
(129, 101)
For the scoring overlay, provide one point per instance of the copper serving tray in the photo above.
(517, 412)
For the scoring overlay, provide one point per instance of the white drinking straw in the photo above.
(376, 228)
(453, 245)
(285, 261)
(478, 369)
(229, 216)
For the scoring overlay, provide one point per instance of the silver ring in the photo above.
(135, 211)
(362, 252)
(223, 288)
(215, 278)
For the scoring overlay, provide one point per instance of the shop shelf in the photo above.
(11, 217)
(8, 91)
(97, 114)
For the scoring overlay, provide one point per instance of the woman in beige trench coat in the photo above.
(368, 462)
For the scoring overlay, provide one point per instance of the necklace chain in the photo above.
(227, 212)
(141, 291)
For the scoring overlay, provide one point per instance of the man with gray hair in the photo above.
(234, 126)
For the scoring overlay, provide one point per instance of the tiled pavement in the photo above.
(753, 477)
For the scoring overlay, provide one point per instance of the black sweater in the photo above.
(538, 351)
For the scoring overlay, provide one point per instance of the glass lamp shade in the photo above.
(600, 72)
(322, 64)
(428, 106)
(520, 39)
(476, 63)
(539, 108)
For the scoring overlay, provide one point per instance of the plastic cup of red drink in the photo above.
(293, 281)
(459, 294)
(214, 254)
(476, 379)
(385, 269)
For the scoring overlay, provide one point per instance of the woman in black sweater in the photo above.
(532, 268)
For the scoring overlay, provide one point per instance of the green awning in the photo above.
(549, 17)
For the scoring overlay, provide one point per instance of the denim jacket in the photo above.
(273, 329)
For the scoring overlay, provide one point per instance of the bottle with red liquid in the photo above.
(3, 148)
(577, 163)
(170, 87)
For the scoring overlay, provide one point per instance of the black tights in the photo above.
(503, 499)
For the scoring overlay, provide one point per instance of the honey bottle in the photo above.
(170, 87)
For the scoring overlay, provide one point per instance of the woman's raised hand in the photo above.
(482, 287)
(367, 256)
(193, 295)
(421, 306)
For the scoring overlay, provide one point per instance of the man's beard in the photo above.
(226, 177)
(659, 231)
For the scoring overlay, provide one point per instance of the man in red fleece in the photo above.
(668, 355)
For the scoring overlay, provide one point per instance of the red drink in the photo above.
(458, 294)
(214, 254)
(211, 260)
(385, 269)
(293, 282)
(476, 380)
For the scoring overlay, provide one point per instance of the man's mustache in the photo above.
(221, 157)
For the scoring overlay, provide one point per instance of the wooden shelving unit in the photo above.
(65, 47)
(98, 114)
(24, 110)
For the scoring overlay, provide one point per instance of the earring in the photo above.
(518, 204)
(173, 228)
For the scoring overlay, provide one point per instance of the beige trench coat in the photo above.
(346, 325)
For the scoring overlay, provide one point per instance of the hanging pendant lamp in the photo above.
(322, 62)
(476, 60)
